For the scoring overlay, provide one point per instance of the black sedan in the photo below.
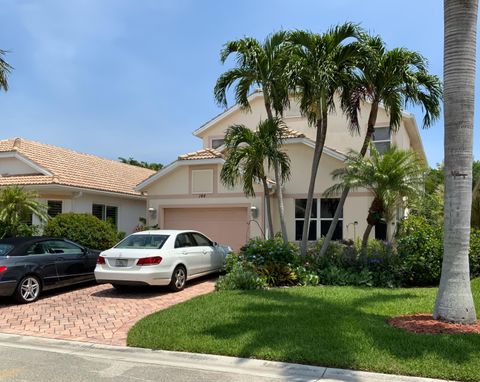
(30, 265)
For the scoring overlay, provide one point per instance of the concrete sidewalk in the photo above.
(127, 364)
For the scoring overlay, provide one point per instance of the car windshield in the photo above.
(5, 249)
(143, 241)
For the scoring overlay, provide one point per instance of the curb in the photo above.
(244, 366)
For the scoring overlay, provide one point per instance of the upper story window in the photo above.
(217, 142)
(320, 218)
(381, 138)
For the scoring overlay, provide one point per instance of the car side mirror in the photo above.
(215, 244)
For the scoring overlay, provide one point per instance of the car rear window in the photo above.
(143, 241)
(5, 249)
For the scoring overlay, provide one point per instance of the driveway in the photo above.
(97, 313)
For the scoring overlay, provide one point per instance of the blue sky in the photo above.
(135, 77)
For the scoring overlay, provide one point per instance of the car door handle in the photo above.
(204, 252)
(183, 252)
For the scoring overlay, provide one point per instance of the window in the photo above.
(184, 240)
(107, 213)
(54, 207)
(216, 143)
(381, 139)
(60, 246)
(143, 241)
(202, 181)
(38, 249)
(201, 240)
(320, 218)
(381, 231)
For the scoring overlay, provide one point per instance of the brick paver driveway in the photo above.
(97, 313)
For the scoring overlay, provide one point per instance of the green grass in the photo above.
(327, 326)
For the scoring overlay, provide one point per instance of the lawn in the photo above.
(327, 326)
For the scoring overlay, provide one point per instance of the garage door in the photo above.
(223, 225)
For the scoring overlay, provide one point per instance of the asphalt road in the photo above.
(34, 359)
(21, 365)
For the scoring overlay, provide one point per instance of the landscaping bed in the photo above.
(343, 327)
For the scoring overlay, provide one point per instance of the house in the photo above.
(188, 193)
(68, 181)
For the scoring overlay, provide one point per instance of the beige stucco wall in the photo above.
(129, 209)
(338, 136)
(174, 183)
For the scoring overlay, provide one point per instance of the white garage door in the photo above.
(223, 225)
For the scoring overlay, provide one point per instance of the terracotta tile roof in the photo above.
(201, 154)
(290, 133)
(71, 168)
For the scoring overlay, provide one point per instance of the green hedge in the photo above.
(84, 229)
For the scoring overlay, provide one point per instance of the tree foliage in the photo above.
(16, 207)
(134, 162)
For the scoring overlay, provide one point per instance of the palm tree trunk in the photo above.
(372, 119)
(278, 181)
(317, 154)
(454, 302)
(267, 207)
(366, 235)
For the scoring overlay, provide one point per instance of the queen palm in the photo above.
(260, 65)
(319, 65)
(454, 300)
(249, 156)
(394, 178)
(4, 71)
(15, 205)
(393, 78)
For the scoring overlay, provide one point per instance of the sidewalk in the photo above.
(226, 367)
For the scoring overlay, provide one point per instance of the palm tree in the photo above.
(5, 69)
(247, 152)
(320, 65)
(394, 178)
(393, 78)
(15, 206)
(454, 302)
(260, 65)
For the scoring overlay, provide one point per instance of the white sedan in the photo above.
(160, 257)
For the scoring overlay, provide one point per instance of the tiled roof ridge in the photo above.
(18, 148)
(288, 131)
(212, 151)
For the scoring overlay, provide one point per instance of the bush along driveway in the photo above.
(341, 327)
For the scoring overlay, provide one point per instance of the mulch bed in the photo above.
(424, 323)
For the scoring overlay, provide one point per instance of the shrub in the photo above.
(420, 249)
(306, 277)
(475, 252)
(264, 252)
(278, 274)
(343, 265)
(84, 229)
(240, 275)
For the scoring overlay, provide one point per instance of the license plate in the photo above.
(121, 262)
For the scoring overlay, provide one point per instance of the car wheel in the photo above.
(179, 278)
(28, 289)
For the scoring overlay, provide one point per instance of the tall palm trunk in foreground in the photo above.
(454, 302)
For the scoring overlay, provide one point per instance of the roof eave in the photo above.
(257, 93)
(172, 166)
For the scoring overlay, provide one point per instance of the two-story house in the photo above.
(189, 194)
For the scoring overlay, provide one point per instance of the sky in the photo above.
(135, 78)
